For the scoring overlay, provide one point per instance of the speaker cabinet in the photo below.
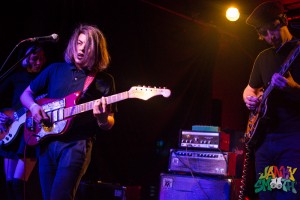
(183, 187)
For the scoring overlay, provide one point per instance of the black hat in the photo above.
(265, 13)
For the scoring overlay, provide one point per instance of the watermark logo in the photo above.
(276, 179)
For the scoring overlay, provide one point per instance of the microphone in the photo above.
(50, 38)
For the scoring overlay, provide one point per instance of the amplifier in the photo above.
(204, 140)
(203, 162)
(175, 187)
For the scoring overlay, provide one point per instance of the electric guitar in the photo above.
(62, 111)
(258, 119)
(17, 119)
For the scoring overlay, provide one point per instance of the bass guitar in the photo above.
(258, 118)
(17, 119)
(62, 111)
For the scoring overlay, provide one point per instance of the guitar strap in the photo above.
(89, 79)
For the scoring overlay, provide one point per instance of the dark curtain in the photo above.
(156, 49)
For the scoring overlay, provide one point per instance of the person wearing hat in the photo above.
(276, 71)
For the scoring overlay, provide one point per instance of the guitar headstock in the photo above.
(145, 93)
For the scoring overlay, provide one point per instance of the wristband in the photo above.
(32, 105)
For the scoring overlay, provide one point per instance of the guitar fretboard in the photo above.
(74, 110)
(284, 68)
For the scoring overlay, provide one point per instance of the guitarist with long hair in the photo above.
(64, 159)
(17, 167)
(273, 98)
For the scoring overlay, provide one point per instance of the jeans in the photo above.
(61, 167)
(280, 151)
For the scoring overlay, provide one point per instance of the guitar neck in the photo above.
(283, 70)
(80, 108)
(267, 92)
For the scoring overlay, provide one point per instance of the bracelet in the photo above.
(32, 105)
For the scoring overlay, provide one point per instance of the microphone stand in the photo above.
(15, 65)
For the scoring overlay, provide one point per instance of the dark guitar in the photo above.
(62, 111)
(255, 129)
(257, 119)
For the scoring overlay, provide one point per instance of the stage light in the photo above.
(232, 14)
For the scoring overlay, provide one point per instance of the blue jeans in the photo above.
(280, 150)
(61, 166)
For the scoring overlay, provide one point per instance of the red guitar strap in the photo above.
(89, 79)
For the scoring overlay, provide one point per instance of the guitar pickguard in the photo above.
(12, 131)
(57, 128)
(257, 124)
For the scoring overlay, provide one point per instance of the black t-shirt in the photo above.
(283, 108)
(12, 87)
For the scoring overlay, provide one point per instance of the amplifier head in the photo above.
(202, 162)
(204, 140)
